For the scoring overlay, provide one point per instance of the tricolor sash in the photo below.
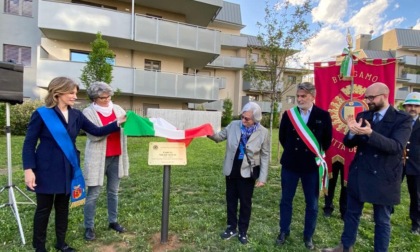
(312, 143)
(61, 136)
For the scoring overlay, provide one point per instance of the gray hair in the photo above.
(97, 88)
(307, 87)
(256, 111)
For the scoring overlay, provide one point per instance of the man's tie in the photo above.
(376, 117)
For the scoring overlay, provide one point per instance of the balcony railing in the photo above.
(162, 84)
(133, 81)
(230, 40)
(401, 94)
(59, 16)
(174, 34)
(412, 78)
(74, 22)
(228, 62)
(411, 60)
(265, 105)
(249, 86)
(215, 106)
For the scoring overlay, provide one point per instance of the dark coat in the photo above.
(412, 165)
(296, 155)
(376, 170)
(53, 172)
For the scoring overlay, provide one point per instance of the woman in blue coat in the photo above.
(48, 172)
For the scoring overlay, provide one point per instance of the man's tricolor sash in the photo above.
(61, 136)
(312, 143)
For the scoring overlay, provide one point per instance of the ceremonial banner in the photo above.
(333, 93)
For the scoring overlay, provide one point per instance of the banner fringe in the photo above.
(77, 203)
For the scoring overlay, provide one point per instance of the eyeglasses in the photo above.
(247, 119)
(104, 97)
(372, 97)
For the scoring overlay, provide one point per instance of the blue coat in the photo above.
(296, 155)
(376, 170)
(53, 172)
(412, 163)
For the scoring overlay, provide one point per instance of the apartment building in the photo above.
(402, 44)
(169, 54)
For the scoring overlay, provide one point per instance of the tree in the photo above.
(98, 67)
(227, 112)
(284, 32)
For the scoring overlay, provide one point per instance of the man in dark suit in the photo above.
(380, 136)
(412, 160)
(298, 160)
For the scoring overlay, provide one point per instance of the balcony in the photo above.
(265, 105)
(228, 62)
(138, 82)
(214, 106)
(411, 78)
(163, 36)
(79, 23)
(401, 94)
(251, 87)
(410, 60)
(198, 12)
(233, 41)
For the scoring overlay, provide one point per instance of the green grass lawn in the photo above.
(197, 209)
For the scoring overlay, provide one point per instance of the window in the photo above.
(290, 99)
(291, 79)
(17, 54)
(254, 57)
(252, 97)
(18, 7)
(152, 65)
(79, 56)
(82, 56)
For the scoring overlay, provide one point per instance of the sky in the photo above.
(337, 16)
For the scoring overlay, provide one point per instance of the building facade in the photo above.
(169, 54)
(402, 44)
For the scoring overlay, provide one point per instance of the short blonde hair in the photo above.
(59, 86)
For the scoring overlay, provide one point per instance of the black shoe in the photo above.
(117, 227)
(229, 233)
(243, 238)
(309, 244)
(89, 234)
(281, 239)
(41, 250)
(65, 248)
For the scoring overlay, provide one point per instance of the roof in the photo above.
(230, 13)
(408, 37)
(252, 40)
(377, 54)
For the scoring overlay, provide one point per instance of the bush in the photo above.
(20, 114)
(227, 112)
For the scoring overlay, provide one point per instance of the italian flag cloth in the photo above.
(136, 125)
(347, 67)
